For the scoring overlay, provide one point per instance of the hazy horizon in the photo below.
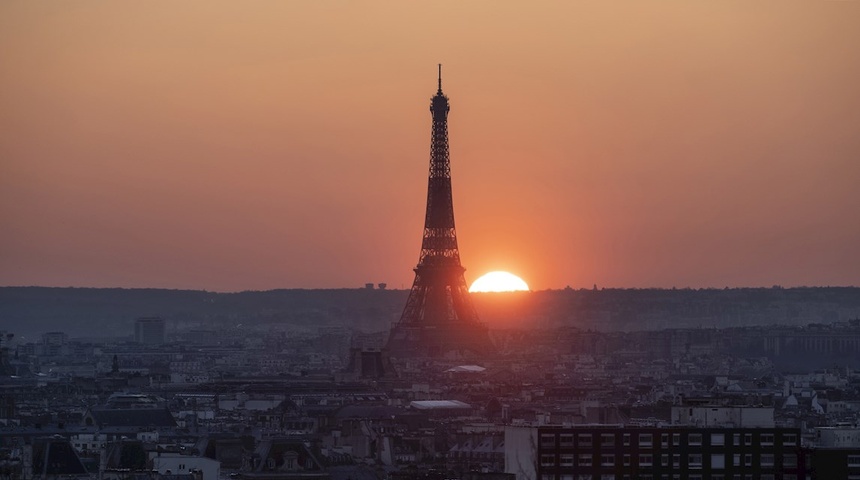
(406, 288)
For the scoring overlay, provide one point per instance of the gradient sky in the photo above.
(228, 145)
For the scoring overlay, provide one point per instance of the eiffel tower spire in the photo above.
(439, 318)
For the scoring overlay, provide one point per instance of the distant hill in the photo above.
(110, 312)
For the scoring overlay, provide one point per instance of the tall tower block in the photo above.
(439, 319)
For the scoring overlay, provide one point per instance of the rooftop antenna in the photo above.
(440, 78)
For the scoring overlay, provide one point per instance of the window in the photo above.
(789, 460)
(748, 439)
(584, 440)
(547, 476)
(737, 460)
(789, 439)
(718, 439)
(626, 439)
(854, 460)
(627, 460)
(547, 460)
(664, 440)
(566, 440)
(694, 439)
(566, 459)
(767, 439)
(645, 440)
(664, 460)
(646, 460)
(789, 476)
(694, 460)
(717, 476)
(607, 440)
(607, 476)
(695, 477)
(736, 439)
(676, 439)
(607, 460)
(718, 461)
(584, 460)
(547, 440)
(766, 476)
(767, 460)
(748, 459)
(676, 460)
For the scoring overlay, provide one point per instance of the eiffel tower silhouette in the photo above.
(439, 319)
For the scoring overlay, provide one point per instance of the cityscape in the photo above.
(129, 351)
(776, 395)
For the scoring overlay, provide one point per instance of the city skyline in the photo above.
(231, 147)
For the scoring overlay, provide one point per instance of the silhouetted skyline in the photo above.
(227, 146)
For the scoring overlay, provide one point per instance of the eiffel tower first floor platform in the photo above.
(451, 340)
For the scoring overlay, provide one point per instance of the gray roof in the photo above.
(439, 404)
(55, 456)
(369, 411)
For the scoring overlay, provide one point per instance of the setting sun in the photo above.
(499, 282)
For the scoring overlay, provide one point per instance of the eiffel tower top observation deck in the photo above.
(439, 318)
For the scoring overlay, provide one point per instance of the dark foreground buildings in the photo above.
(613, 452)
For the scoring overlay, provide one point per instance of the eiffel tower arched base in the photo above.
(452, 341)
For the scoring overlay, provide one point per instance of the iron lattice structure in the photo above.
(439, 318)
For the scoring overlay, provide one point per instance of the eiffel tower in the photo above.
(439, 319)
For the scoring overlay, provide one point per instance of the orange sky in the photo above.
(228, 145)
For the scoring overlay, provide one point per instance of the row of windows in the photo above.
(646, 440)
(694, 460)
(675, 476)
(477, 455)
(85, 446)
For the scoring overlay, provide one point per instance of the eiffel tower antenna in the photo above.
(440, 79)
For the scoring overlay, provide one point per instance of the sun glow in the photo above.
(499, 282)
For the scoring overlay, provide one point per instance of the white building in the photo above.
(174, 463)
